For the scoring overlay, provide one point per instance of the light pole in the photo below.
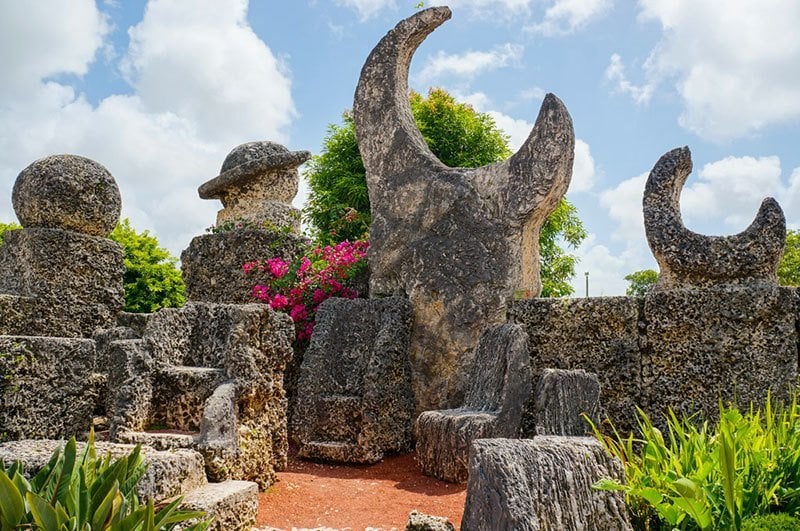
(587, 284)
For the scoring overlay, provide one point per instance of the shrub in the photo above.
(703, 477)
(771, 522)
(81, 492)
(300, 286)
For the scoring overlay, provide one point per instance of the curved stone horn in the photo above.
(385, 127)
(688, 259)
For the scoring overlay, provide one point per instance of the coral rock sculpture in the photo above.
(688, 259)
(457, 241)
(256, 183)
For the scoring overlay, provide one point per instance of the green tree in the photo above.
(641, 282)
(4, 227)
(338, 206)
(789, 266)
(152, 279)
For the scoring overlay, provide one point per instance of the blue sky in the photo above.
(160, 91)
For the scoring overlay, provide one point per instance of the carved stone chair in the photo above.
(493, 405)
(354, 398)
(208, 377)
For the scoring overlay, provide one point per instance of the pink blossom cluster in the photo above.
(300, 286)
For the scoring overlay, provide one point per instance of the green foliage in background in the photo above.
(641, 282)
(338, 207)
(81, 492)
(4, 227)
(789, 266)
(771, 522)
(152, 279)
(703, 477)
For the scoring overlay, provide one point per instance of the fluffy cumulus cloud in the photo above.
(734, 64)
(181, 117)
(469, 64)
(367, 9)
(615, 74)
(496, 8)
(563, 17)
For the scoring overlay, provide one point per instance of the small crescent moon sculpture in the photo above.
(688, 259)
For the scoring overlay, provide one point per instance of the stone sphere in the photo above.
(67, 192)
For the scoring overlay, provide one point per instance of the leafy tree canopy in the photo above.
(789, 266)
(641, 282)
(338, 206)
(152, 280)
(4, 227)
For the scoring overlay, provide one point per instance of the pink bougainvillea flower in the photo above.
(249, 266)
(279, 302)
(277, 267)
(319, 296)
(305, 265)
(260, 292)
(298, 313)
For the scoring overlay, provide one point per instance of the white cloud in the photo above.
(469, 64)
(563, 17)
(733, 64)
(68, 35)
(502, 9)
(367, 9)
(203, 83)
(615, 73)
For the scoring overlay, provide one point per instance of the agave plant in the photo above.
(81, 492)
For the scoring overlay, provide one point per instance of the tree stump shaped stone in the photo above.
(562, 397)
(458, 242)
(543, 483)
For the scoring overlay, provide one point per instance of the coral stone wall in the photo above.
(683, 349)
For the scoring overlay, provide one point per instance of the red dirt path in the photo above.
(309, 495)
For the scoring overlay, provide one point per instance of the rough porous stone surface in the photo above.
(499, 387)
(169, 474)
(418, 521)
(71, 276)
(67, 192)
(354, 400)
(47, 387)
(257, 182)
(562, 397)
(598, 334)
(544, 483)
(219, 369)
(233, 504)
(733, 342)
(212, 264)
(33, 316)
(687, 259)
(458, 242)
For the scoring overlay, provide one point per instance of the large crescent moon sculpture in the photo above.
(688, 259)
(457, 241)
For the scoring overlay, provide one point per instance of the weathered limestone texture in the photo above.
(562, 398)
(257, 183)
(499, 387)
(599, 334)
(458, 242)
(47, 387)
(67, 192)
(418, 521)
(234, 504)
(212, 264)
(354, 401)
(687, 259)
(59, 275)
(168, 474)
(214, 372)
(732, 342)
(542, 484)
